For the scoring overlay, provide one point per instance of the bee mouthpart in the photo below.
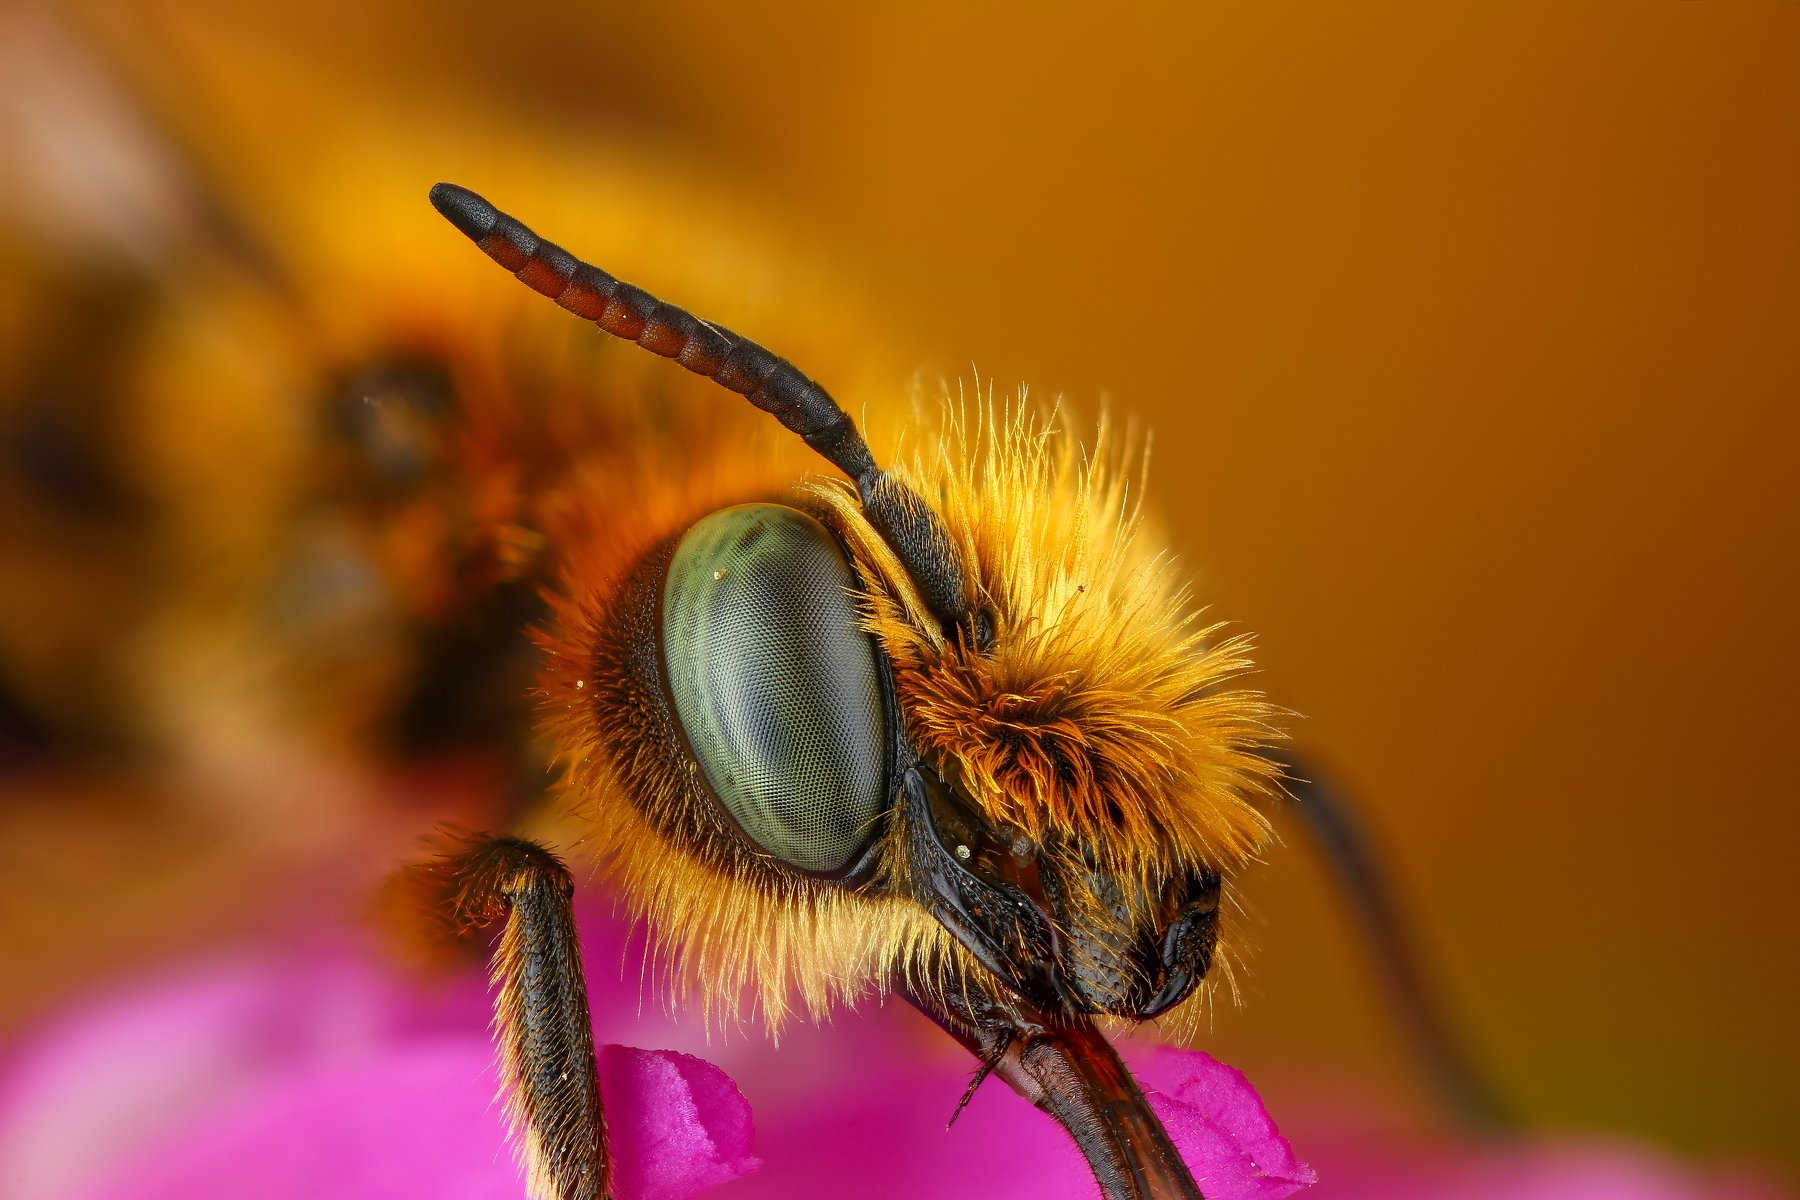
(1064, 1065)
(1059, 932)
(1131, 948)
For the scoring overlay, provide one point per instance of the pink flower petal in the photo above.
(114, 1076)
(316, 1074)
(1218, 1122)
(419, 1121)
(677, 1125)
(858, 1107)
(412, 1121)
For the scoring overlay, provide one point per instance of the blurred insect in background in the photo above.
(846, 740)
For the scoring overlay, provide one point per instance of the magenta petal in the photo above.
(171, 1051)
(406, 1123)
(420, 1121)
(676, 1125)
(311, 1075)
(1219, 1124)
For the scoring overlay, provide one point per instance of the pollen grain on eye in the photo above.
(718, 575)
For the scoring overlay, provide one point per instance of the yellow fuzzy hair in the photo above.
(1106, 712)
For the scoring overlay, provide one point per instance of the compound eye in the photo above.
(774, 682)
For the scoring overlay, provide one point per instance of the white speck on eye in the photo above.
(962, 852)
(718, 574)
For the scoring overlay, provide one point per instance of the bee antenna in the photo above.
(772, 384)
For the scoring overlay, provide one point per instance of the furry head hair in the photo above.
(1107, 720)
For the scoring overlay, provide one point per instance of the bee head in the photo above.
(1086, 777)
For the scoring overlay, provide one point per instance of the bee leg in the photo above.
(548, 1075)
(1330, 817)
(1066, 1067)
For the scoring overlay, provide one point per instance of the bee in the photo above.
(947, 729)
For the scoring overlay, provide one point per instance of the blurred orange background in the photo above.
(1485, 323)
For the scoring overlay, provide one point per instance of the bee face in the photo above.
(844, 794)
(1095, 758)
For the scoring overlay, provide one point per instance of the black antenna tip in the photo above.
(465, 210)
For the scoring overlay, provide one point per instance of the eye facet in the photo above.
(774, 682)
